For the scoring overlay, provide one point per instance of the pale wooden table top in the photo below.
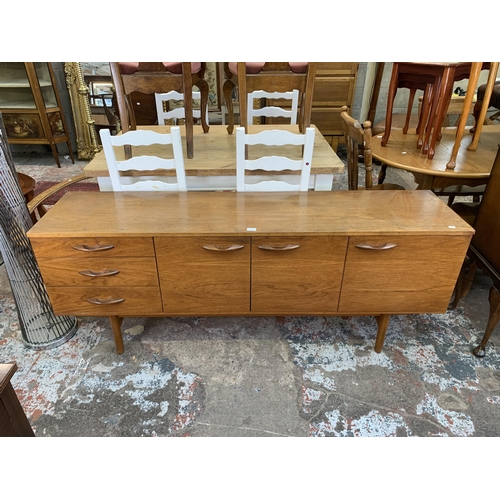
(215, 152)
(401, 152)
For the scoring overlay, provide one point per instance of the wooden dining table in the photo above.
(472, 167)
(213, 166)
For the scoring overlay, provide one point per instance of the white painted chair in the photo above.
(273, 111)
(275, 164)
(160, 182)
(176, 113)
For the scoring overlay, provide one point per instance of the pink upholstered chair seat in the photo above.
(254, 68)
(129, 68)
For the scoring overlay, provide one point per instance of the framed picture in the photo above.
(23, 126)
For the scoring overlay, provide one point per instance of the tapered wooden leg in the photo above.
(493, 319)
(382, 322)
(486, 99)
(442, 108)
(409, 109)
(204, 90)
(116, 325)
(473, 78)
(390, 103)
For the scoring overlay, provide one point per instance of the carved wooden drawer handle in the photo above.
(221, 248)
(385, 246)
(103, 302)
(96, 274)
(97, 248)
(290, 246)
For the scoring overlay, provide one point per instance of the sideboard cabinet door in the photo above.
(297, 275)
(401, 274)
(204, 275)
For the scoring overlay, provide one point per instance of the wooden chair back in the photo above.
(358, 142)
(271, 77)
(164, 112)
(273, 111)
(153, 77)
(274, 164)
(152, 179)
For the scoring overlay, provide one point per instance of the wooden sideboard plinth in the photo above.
(345, 253)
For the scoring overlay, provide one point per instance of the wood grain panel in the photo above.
(328, 120)
(230, 214)
(132, 271)
(337, 68)
(195, 280)
(304, 280)
(122, 247)
(139, 301)
(417, 276)
(333, 92)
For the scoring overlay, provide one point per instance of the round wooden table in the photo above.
(472, 167)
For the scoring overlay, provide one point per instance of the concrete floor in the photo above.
(258, 377)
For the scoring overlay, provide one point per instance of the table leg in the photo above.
(323, 182)
(430, 120)
(390, 103)
(423, 120)
(444, 98)
(473, 79)
(408, 110)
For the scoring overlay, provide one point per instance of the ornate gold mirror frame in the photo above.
(86, 137)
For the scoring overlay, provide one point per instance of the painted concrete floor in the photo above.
(259, 377)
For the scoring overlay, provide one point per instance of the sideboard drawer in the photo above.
(99, 271)
(89, 247)
(127, 300)
(417, 275)
(297, 275)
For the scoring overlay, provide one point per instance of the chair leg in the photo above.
(382, 174)
(188, 106)
(204, 90)
(227, 90)
(464, 281)
(494, 317)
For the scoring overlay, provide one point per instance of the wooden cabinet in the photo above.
(333, 88)
(220, 253)
(31, 107)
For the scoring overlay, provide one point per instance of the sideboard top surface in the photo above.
(230, 213)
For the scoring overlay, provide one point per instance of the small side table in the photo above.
(13, 420)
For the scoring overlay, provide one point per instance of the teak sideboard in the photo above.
(342, 253)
